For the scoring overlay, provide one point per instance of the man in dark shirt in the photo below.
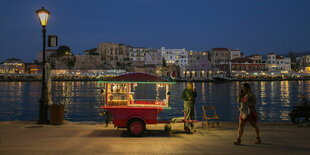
(189, 95)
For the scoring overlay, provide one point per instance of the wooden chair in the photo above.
(211, 116)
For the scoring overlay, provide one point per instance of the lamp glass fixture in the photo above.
(43, 16)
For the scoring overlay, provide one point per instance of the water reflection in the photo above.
(19, 100)
(203, 92)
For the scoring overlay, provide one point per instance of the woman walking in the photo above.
(247, 101)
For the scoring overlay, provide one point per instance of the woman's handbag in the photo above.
(244, 109)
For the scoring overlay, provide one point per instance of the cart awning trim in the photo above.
(137, 78)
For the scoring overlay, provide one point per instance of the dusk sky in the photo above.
(253, 26)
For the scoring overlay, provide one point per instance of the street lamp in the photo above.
(43, 16)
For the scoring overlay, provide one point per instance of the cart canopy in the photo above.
(137, 78)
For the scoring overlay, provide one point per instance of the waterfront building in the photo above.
(257, 58)
(137, 55)
(33, 68)
(242, 64)
(278, 63)
(13, 65)
(305, 63)
(247, 64)
(201, 70)
(153, 57)
(78, 62)
(165, 71)
(220, 55)
(48, 54)
(88, 62)
(114, 54)
(87, 72)
(147, 68)
(235, 53)
(175, 56)
(194, 56)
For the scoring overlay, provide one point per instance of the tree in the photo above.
(63, 51)
(291, 55)
(294, 65)
(71, 63)
(164, 63)
(54, 55)
(53, 65)
(118, 64)
(242, 55)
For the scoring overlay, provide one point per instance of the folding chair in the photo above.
(206, 117)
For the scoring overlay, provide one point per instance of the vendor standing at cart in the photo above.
(189, 95)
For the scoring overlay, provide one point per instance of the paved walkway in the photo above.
(94, 138)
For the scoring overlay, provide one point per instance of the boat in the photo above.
(221, 78)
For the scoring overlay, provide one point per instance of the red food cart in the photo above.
(131, 113)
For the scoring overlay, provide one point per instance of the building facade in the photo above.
(33, 68)
(175, 56)
(137, 55)
(235, 54)
(242, 64)
(278, 63)
(201, 70)
(153, 57)
(305, 63)
(13, 65)
(247, 64)
(194, 56)
(114, 54)
(220, 55)
(257, 58)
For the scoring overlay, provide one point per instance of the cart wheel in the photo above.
(187, 130)
(136, 127)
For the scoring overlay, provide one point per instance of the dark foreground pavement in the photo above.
(94, 138)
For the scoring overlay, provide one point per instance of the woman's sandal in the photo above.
(258, 141)
(238, 142)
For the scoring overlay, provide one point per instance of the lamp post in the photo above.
(43, 16)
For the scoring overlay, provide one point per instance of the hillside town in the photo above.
(110, 59)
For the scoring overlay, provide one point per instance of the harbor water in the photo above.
(20, 100)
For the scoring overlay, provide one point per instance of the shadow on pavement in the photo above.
(105, 133)
(125, 133)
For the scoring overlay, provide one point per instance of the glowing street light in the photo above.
(43, 16)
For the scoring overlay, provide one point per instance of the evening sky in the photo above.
(253, 26)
